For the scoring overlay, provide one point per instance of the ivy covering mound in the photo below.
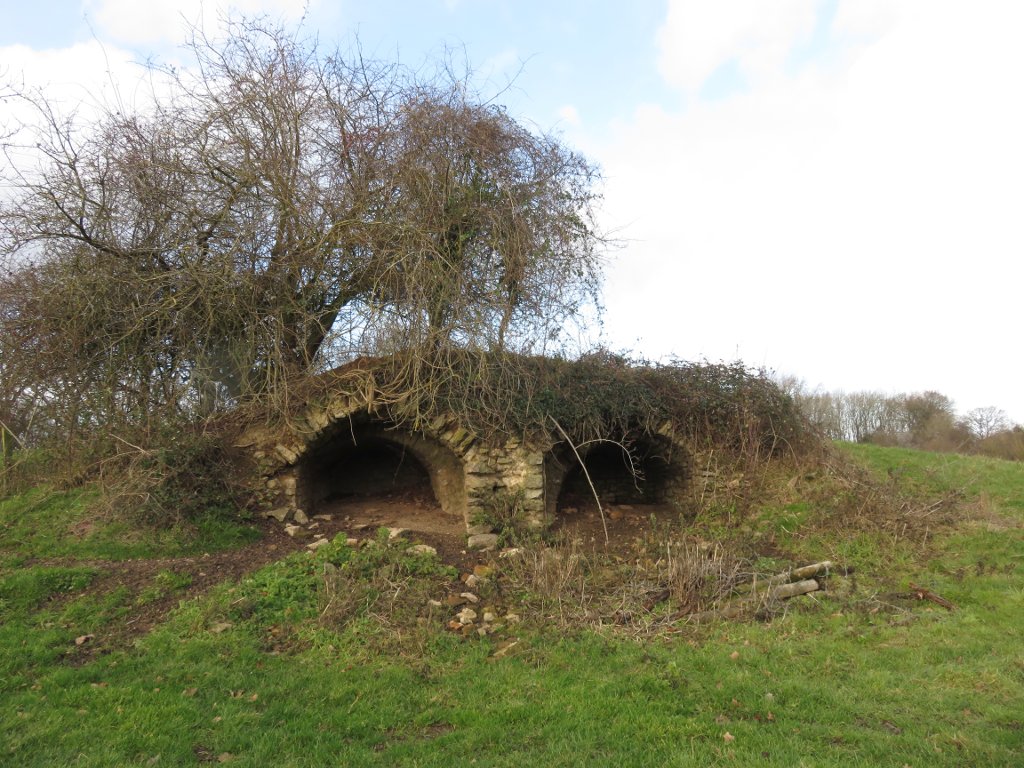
(597, 396)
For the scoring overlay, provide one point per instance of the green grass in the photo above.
(320, 660)
(997, 480)
(45, 522)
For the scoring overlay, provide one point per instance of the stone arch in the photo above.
(662, 473)
(362, 453)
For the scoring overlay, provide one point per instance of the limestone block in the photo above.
(318, 420)
(340, 408)
(483, 541)
(288, 455)
(533, 481)
(288, 485)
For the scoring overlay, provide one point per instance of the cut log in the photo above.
(796, 588)
(808, 571)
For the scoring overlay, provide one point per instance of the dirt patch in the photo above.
(360, 518)
(626, 523)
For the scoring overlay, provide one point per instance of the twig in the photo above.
(586, 474)
(926, 594)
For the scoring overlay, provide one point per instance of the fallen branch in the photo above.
(586, 474)
(782, 586)
(926, 594)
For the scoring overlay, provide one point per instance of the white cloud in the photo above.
(698, 37)
(77, 78)
(164, 21)
(858, 227)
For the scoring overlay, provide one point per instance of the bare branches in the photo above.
(272, 214)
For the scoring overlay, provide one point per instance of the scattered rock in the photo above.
(483, 541)
(470, 597)
(324, 518)
(455, 600)
(482, 571)
(434, 603)
(394, 533)
(351, 542)
(472, 581)
(511, 552)
(280, 514)
(313, 546)
(421, 549)
(296, 531)
(489, 617)
(300, 517)
(512, 618)
(466, 616)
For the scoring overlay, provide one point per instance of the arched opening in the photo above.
(636, 473)
(362, 462)
(371, 468)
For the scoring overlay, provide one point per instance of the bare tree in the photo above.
(271, 213)
(987, 421)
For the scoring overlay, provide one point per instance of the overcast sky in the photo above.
(827, 188)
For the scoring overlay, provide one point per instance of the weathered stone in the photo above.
(483, 541)
(300, 517)
(394, 533)
(324, 518)
(473, 530)
(313, 546)
(466, 616)
(421, 549)
(534, 482)
(470, 597)
(288, 485)
(472, 581)
(533, 493)
(296, 531)
(455, 600)
(318, 420)
(279, 513)
(288, 455)
(488, 616)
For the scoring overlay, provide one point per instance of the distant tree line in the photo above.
(926, 420)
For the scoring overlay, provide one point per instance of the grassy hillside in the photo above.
(341, 658)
